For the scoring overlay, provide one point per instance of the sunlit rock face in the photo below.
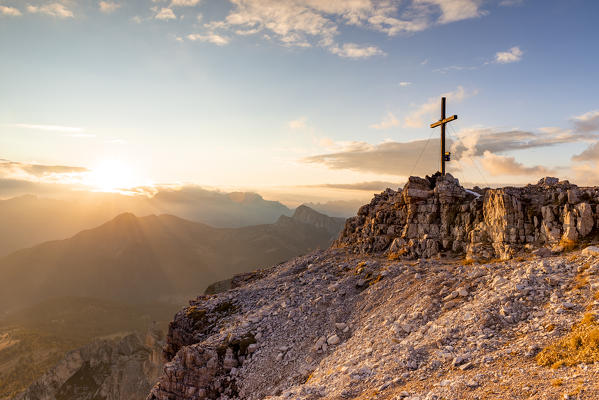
(436, 216)
(119, 369)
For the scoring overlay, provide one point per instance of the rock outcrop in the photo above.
(108, 369)
(436, 215)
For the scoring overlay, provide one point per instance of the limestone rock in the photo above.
(436, 215)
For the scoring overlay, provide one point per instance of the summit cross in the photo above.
(445, 156)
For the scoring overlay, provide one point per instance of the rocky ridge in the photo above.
(109, 369)
(332, 325)
(436, 215)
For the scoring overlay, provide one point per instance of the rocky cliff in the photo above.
(436, 216)
(110, 369)
(359, 321)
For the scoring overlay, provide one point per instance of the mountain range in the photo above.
(29, 220)
(155, 258)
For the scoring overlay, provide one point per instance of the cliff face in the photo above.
(437, 215)
(123, 369)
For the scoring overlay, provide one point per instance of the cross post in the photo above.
(445, 156)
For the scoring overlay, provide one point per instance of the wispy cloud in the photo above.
(426, 110)
(80, 135)
(164, 14)
(502, 57)
(588, 122)
(307, 23)
(57, 10)
(210, 38)
(108, 7)
(184, 3)
(405, 84)
(498, 165)
(486, 144)
(373, 186)
(10, 11)
(34, 172)
(389, 121)
(512, 55)
(511, 3)
(299, 123)
(353, 50)
(53, 128)
(387, 158)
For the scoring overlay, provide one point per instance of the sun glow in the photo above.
(112, 176)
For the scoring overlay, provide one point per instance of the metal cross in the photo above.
(445, 156)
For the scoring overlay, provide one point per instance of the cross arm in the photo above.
(444, 121)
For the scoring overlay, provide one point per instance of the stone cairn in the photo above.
(436, 216)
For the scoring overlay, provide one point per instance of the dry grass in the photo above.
(397, 255)
(568, 244)
(557, 382)
(581, 345)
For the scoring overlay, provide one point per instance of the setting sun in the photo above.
(112, 176)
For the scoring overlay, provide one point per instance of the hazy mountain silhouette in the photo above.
(29, 220)
(152, 258)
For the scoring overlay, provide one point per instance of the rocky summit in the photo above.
(435, 216)
(360, 321)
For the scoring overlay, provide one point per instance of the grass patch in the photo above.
(581, 345)
(567, 244)
(394, 256)
(557, 382)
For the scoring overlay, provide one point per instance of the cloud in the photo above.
(511, 3)
(108, 7)
(388, 158)
(591, 153)
(80, 135)
(427, 110)
(210, 38)
(373, 186)
(455, 10)
(307, 23)
(165, 14)
(53, 128)
(512, 55)
(421, 156)
(474, 142)
(184, 3)
(404, 84)
(53, 9)
(588, 122)
(498, 165)
(10, 11)
(390, 121)
(37, 172)
(353, 50)
(299, 123)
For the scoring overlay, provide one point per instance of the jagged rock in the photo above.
(432, 216)
(122, 369)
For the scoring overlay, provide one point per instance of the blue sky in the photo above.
(290, 95)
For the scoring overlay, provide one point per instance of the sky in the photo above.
(318, 100)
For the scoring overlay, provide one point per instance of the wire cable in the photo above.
(473, 159)
(421, 153)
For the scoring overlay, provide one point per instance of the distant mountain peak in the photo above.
(310, 216)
